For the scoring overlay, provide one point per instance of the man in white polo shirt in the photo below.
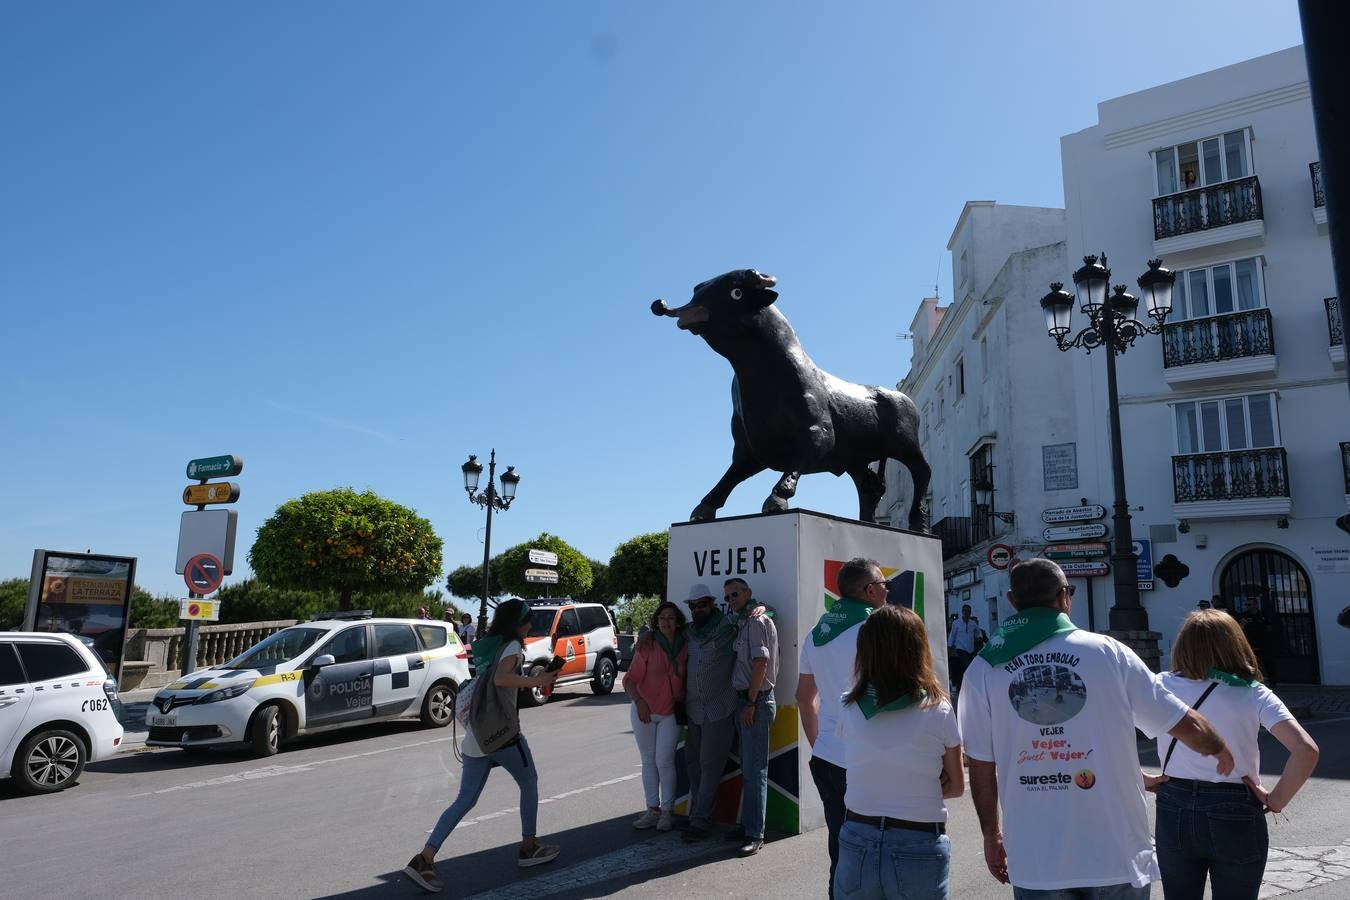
(825, 673)
(1048, 715)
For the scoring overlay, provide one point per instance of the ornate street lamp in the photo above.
(1112, 324)
(489, 498)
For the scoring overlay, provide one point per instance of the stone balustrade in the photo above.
(154, 656)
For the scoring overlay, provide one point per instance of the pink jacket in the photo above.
(651, 678)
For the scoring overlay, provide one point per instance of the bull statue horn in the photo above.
(659, 308)
(767, 281)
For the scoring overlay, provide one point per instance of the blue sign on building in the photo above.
(1143, 549)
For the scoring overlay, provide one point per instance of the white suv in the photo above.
(581, 633)
(342, 669)
(58, 710)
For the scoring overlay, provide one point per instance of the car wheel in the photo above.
(533, 696)
(265, 734)
(48, 761)
(603, 682)
(438, 707)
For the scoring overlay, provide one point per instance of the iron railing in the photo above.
(1207, 207)
(1230, 475)
(1334, 327)
(1229, 336)
(960, 533)
(1319, 196)
(1345, 464)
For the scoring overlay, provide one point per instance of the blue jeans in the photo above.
(1208, 828)
(706, 749)
(831, 783)
(1103, 892)
(891, 864)
(514, 758)
(755, 762)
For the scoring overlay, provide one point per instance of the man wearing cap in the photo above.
(710, 704)
(826, 671)
(753, 678)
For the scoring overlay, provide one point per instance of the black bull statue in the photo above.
(787, 414)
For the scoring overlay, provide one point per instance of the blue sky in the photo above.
(356, 242)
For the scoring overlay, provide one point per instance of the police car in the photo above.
(341, 669)
(58, 710)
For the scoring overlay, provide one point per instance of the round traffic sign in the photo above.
(1000, 556)
(194, 610)
(203, 573)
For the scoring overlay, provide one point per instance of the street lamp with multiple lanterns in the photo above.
(1112, 324)
(491, 499)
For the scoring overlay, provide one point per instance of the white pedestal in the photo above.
(791, 561)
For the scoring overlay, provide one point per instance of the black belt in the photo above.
(884, 822)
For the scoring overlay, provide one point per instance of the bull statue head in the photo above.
(722, 300)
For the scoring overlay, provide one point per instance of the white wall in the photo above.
(1108, 188)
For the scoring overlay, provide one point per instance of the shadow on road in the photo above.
(597, 860)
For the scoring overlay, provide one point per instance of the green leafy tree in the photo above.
(638, 567)
(347, 543)
(574, 572)
(640, 610)
(466, 582)
(600, 591)
(152, 612)
(13, 601)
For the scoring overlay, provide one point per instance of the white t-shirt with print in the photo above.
(1058, 721)
(894, 760)
(832, 666)
(1238, 714)
(469, 746)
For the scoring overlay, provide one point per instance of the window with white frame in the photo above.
(1245, 422)
(1201, 163)
(1216, 290)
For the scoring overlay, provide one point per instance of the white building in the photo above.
(975, 384)
(1235, 420)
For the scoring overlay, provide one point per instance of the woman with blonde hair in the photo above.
(1210, 825)
(902, 752)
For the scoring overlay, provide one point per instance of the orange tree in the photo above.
(348, 543)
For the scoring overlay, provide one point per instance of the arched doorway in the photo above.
(1272, 582)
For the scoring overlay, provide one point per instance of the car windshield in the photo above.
(541, 621)
(282, 647)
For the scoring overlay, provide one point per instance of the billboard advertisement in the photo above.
(84, 594)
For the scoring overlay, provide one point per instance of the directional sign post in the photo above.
(542, 576)
(1061, 514)
(226, 466)
(212, 492)
(1091, 550)
(542, 557)
(1074, 532)
(1084, 569)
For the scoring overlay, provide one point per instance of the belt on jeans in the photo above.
(884, 822)
(1218, 787)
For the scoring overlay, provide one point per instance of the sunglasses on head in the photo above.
(1069, 588)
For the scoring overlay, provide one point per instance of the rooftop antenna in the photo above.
(936, 275)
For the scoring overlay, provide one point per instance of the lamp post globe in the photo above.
(490, 499)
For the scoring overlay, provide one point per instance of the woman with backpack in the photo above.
(493, 737)
(655, 683)
(1210, 825)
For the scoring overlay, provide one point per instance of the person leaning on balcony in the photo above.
(1210, 824)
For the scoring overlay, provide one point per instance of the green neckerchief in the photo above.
(1020, 632)
(843, 615)
(1223, 677)
(486, 650)
(720, 628)
(868, 704)
(709, 628)
(672, 648)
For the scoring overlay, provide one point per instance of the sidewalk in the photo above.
(1314, 700)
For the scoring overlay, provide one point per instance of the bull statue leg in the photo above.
(782, 492)
(743, 466)
(871, 487)
(920, 474)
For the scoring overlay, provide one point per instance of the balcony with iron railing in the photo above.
(1215, 347)
(1203, 217)
(961, 533)
(1319, 210)
(1231, 484)
(1335, 332)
